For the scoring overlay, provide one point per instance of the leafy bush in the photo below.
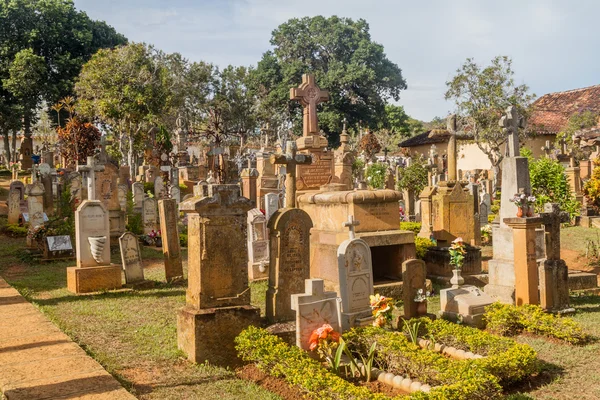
(358, 166)
(135, 224)
(376, 174)
(591, 189)
(422, 245)
(15, 230)
(411, 226)
(508, 320)
(491, 218)
(183, 239)
(148, 187)
(413, 178)
(504, 358)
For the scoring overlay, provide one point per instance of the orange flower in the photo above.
(325, 332)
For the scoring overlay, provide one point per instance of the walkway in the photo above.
(38, 361)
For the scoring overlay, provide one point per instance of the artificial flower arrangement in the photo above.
(523, 202)
(382, 308)
(457, 252)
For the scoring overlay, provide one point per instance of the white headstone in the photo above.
(92, 234)
(159, 188)
(59, 243)
(314, 308)
(258, 245)
(150, 215)
(122, 192)
(138, 194)
(176, 193)
(131, 258)
(271, 204)
(35, 204)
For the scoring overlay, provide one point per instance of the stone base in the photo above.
(479, 280)
(208, 335)
(94, 279)
(438, 262)
(466, 303)
(358, 319)
(254, 271)
(141, 285)
(469, 320)
(393, 289)
(582, 280)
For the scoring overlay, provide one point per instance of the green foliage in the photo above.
(411, 329)
(491, 217)
(183, 239)
(415, 227)
(481, 95)
(358, 167)
(14, 230)
(422, 245)
(449, 379)
(591, 189)
(148, 187)
(507, 320)
(135, 224)
(376, 174)
(504, 358)
(397, 122)
(413, 177)
(549, 184)
(580, 120)
(345, 61)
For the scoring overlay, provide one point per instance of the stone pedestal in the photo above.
(438, 262)
(554, 287)
(208, 334)
(249, 177)
(93, 279)
(525, 261)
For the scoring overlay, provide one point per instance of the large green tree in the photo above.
(43, 44)
(346, 62)
(481, 95)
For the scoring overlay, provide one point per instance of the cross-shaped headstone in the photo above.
(103, 155)
(34, 172)
(350, 224)
(451, 129)
(89, 170)
(290, 159)
(309, 95)
(511, 122)
(552, 217)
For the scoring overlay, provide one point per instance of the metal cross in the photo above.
(350, 224)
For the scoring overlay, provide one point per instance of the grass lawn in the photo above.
(133, 335)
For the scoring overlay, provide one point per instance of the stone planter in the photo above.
(456, 280)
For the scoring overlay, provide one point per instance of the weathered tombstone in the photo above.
(484, 211)
(218, 296)
(271, 204)
(14, 206)
(258, 245)
(169, 213)
(138, 195)
(35, 205)
(46, 179)
(122, 194)
(314, 308)
(92, 242)
(356, 279)
(175, 193)
(149, 215)
(289, 260)
(159, 188)
(20, 187)
(413, 279)
(131, 258)
(466, 303)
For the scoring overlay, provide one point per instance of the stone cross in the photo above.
(89, 170)
(309, 95)
(451, 128)
(350, 224)
(552, 217)
(511, 122)
(290, 159)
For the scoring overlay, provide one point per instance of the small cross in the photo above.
(511, 122)
(290, 160)
(309, 95)
(90, 170)
(350, 224)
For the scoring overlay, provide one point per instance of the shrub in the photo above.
(183, 239)
(135, 224)
(358, 166)
(411, 226)
(591, 189)
(376, 174)
(148, 187)
(508, 320)
(413, 178)
(491, 218)
(14, 230)
(422, 245)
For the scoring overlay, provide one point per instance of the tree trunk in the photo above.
(7, 152)
(15, 152)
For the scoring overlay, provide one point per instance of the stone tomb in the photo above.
(107, 192)
(92, 243)
(356, 280)
(314, 308)
(218, 296)
(258, 245)
(377, 210)
(169, 215)
(289, 261)
(466, 303)
(131, 258)
(150, 215)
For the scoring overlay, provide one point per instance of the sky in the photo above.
(553, 44)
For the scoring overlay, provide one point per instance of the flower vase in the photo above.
(456, 280)
(529, 211)
(422, 307)
(520, 212)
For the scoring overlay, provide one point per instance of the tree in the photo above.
(481, 96)
(578, 121)
(77, 140)
(345, 61)
(51, 33)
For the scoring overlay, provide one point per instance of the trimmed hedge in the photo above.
(415, 227)
(504, 358)
(509, 320)
(449, 379)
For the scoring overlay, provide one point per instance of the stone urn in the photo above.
(456, 280)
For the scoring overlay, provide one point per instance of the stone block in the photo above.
(93, 279)
(465, 302)
(208, 334)
(582, 280)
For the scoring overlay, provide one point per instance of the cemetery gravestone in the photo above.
(131, 258)
(176, 193)
(271, 204)
(314, 308)
(218, 296)
(57, 247)
(169, 213)
(258, 245)
(122, 194)
(289, 260)
(356, 279)
(413, 279)
(149, 215)
(138, 196)
(92, 243)
(35, 205)
(159, 188)
(14, 206)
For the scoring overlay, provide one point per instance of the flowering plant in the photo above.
(382, 308)
(457, 252)
(421, 297)
(325, 341)
(154, 234)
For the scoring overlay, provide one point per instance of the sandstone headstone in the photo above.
(159, 188)
(314, 308)
(131, 258)
(169, 213)
(149, 215)
(289, 260)
(35, 204)
(20, 187)
(122, 194)
(413, 279)
(138, 195)
(14, 206)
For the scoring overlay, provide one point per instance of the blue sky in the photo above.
(554, 44)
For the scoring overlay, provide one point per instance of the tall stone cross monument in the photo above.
(90, 170)
(309, 95)
(451, 128)
(290, 160)
(511, 122)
